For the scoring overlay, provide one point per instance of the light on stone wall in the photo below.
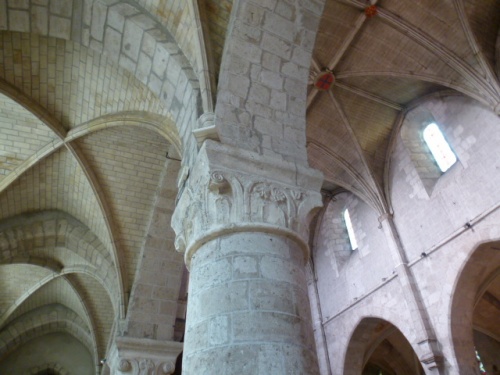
(350, 230)
(440, 149)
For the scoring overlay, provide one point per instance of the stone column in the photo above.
(243, 221)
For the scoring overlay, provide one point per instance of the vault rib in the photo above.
(370, 96)
(46, 118)
(426, 41)
(108, 219)
(462, 16)
(371, 185)
(422, 77)
(360, 21)
(366, 194)
(42, 283)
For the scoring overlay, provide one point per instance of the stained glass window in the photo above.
(482, 370)
(350, 230)
(440, 149)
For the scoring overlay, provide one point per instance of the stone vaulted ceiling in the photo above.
(83, 148)
(383, 65)
(86, 112)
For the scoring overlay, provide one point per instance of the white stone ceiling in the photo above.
(82, 149)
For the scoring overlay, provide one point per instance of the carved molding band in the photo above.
(224, 196)
(145, 366)
(132, 356)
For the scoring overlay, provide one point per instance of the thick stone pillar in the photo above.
(243, 222)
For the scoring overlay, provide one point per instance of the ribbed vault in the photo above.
(384, 63)
(84, 139)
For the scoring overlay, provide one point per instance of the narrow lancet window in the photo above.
(440, 149)
(350, 230)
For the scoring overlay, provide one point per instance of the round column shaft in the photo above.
(248, 309)
(242, 222)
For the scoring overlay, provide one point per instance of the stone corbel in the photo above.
(206, 128)
(433, 360)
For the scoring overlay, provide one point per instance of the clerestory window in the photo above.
(350, 230)
(440, 149)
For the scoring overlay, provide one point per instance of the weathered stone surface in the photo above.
(246, 260)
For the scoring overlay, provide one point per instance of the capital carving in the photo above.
(143, 356)
(145, 366)
(124, 365)
(229, 191)
(166, 368)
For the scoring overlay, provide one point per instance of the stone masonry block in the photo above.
(256, 326)
(19, 4)
(132, 38)
(3, 15)
(246, 50)
(271, 296)
(279, 26)
(211, 274)
(40, 21)
(253, 15)
(61, 8)
(98, 21)
(245, 267)
(60, 27)
(271, 79)
(276, 46)
(279, 269)
(112, 42)
(222, 299)
(19, 20)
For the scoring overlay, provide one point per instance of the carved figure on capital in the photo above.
(144, 366)
(227, 199)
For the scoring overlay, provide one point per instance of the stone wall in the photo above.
(440, 231)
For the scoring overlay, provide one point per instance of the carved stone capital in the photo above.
(133, 356)
(231, 190)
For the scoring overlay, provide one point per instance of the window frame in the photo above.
(350, 230)
(440, 148)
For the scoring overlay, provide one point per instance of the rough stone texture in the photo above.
(336, 265)
(443, 256)
(247, 300)
(247, 290)
(258, 107)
